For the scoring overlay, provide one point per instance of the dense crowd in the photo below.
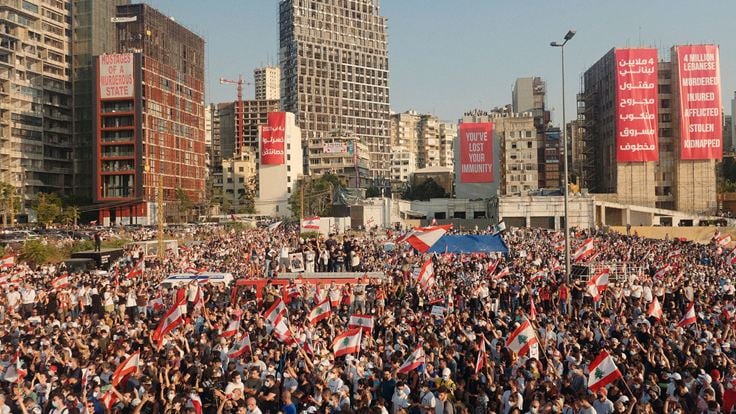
(121, 342)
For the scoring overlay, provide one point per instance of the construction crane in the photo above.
(238, 110)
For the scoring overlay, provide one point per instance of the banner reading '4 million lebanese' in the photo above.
(701, 135)
(636, 105)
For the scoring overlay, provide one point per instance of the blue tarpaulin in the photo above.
(470, 244)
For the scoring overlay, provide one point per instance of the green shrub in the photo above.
(310, 235)
(36, 253)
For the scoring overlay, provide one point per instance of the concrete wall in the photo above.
(696, 234)
(543, 210)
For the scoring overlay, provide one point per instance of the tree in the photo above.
(372, 191)
(70, 215)
(185, 202)
(48, 208)
(317, 195)
(247, 199)
(425, 191)
(9, 203)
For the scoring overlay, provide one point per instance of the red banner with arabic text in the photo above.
(273, 135)
(636, 105)
(699, 81)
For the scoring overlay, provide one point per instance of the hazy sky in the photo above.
(449, 56)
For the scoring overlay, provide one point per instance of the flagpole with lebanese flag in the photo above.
(127, 367)
(689, 317)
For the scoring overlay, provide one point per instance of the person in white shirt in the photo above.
(427, 401)
(400, 398)
(13, 298)
(28, 299)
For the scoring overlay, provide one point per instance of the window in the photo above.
(241, 180)
(241, 169)
(664, 103)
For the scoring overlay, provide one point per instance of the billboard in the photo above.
(116, 76)
(273, 135)
(476, 152)
(699, 83)
(636, 105)
(335, 148)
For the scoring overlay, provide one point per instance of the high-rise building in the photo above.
(36, 97)
(663, 175)
(149, 118)
(423, 135)
(529, 95)
(214, 152)
(93, 34)
(280, 164)
(733, 122)
(334, 71)
(267, 83)
(255, 113)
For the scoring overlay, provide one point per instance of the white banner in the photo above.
(123, 19)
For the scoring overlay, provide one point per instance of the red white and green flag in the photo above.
(347, 342)
(522, 338)
(364, 322)
(482, 355)
(414, 361)
(240, 347)
(602, 371)
(689, 317)
(322, 311)
(655, 309)
(598, 284)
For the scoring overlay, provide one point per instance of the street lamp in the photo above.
(570, 34)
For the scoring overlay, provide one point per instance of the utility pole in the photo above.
(160, 214)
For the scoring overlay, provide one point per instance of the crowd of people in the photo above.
(122, 342)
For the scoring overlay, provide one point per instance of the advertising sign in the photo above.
(116, 76)
(272, 139)
(701, 135)
(636, 105)
(476, 152)
(335, 148)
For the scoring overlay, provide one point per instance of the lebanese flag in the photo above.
(7, 261)
(108, 400)
(492, 266)
(275, 312)
(598, 284)
(446, 227)
(537, 276)
(425, 278)
(195, 402)
(723, 240)
(689, 317)
(15, 371)
(347, 342)
(171, 319)
(655, 309)
(503, 273)
(60, 282)
(532, 309)
(335, 298)
(364, 322)
(311, 223)
(732, 257)
(673, 254)
(290, 292)
(282, 332)
(660, 274)
(320, 312)
(424, 240)
(603, 371)
(85, 379)
(482, 355)
(522, 338)
(137, 270)
(585, 250)
(560, 245)
(157, 303)
(180, 299)
(129, 366)
(240, 347)
(414, 361)
(232, 328)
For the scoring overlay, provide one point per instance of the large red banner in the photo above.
(272, 139)
(476, 152)
(701, 135)
(636, 105)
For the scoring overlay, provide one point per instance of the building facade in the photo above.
(235, 182)
(529, 95)
(448, 135)
(36, 141)
(342, 154)
(93, 34)
(280, 164)
(423, 135)
(153, 147)
(255, 114)
(267, 82)
(519, 153)
(334, 71)
(670, 182)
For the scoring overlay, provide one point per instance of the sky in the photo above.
(450, 56)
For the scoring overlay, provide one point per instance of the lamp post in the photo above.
(570, 34)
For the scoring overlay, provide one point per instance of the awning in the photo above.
(470, 244)
(413, 213)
